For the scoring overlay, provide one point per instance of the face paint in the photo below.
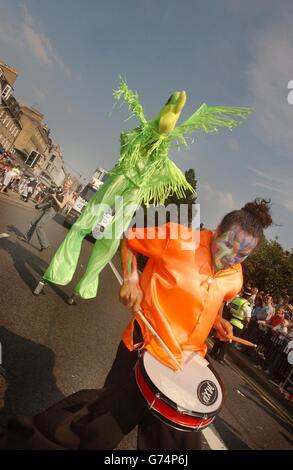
(232, 247)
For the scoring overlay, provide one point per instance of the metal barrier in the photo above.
(271, 354)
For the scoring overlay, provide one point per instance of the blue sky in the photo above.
(69, 54)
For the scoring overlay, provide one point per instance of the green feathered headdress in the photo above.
(146, 151)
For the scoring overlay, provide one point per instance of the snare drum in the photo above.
(187, 399)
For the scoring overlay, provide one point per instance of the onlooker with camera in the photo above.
(48, 209)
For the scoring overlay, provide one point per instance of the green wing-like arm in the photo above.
(131, 98)
(210, 119)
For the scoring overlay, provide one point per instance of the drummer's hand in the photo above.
(131, 295)
(224, 329)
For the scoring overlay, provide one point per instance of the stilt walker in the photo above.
(144, 173)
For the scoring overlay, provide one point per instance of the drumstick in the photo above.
(148, 325)
(243, 341)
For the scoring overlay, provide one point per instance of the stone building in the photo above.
(33, 144)
(10, 125)
(54, 172)
(23, 132)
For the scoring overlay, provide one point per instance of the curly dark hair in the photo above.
(253, 218)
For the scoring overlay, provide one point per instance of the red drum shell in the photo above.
(166, 410)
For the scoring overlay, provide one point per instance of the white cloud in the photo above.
(26, 34)
(40, 44)
(282, 185)
(267, 186)
(214, 204)
(269, 74)
(289, 205)
(283, 180)
(37, 45)
(221, 198)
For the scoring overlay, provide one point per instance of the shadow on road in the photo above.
(31, 385)
(15, 230)
(24, 258)
(229, 435)
(60, 219)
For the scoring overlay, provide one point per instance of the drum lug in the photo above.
(157, 396)
(180, 410)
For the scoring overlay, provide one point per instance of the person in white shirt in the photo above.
(9, 174)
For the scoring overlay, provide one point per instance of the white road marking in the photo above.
(4, 235)
(213, 439)
(210, 434)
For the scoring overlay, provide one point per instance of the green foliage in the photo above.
(270, 268)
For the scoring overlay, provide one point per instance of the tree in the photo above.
(270, 268)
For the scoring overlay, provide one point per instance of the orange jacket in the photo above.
(182, 294)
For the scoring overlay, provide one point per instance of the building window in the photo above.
(33, 159)
(6, 92)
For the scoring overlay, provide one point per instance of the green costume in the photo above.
(143, 174)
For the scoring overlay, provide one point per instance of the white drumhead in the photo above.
(194, 388)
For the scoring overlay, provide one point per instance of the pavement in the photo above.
(257, 374)
(14, 198)
(260, 377)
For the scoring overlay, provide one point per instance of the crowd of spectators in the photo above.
(270, 326)
(12, 178)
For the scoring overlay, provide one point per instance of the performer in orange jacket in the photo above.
(181, 292)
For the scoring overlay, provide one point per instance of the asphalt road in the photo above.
(50, 349)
